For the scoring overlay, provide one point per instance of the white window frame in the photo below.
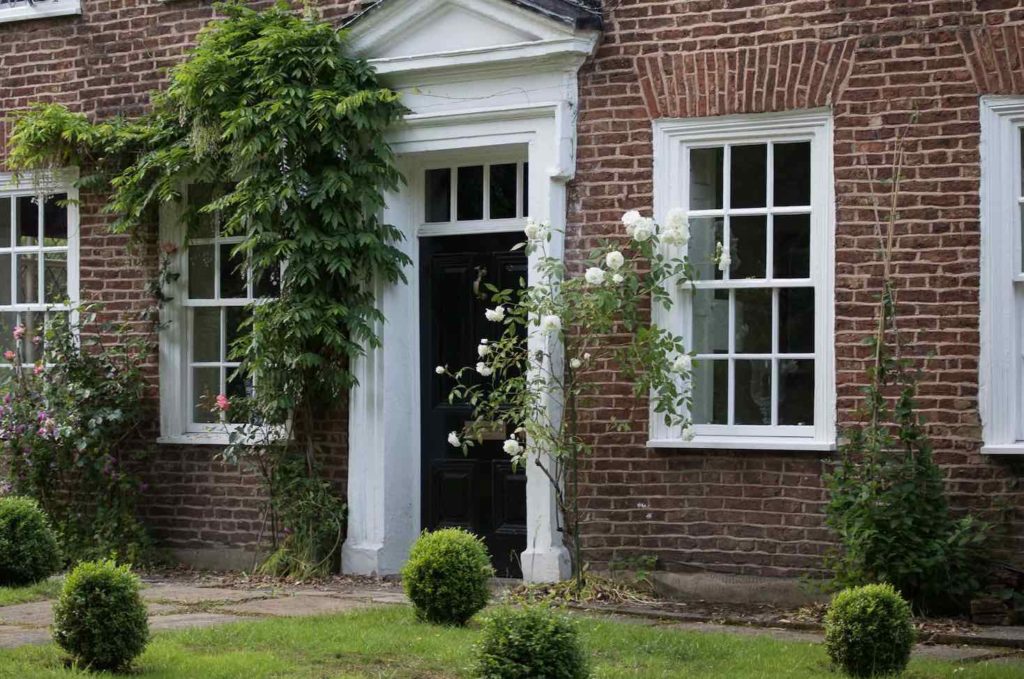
(23, 10)
(1001, 364)
(177, 423)
(672, 140)
(47, 183)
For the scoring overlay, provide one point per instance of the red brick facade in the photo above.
(874, 62)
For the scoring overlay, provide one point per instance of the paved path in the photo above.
(180, 605)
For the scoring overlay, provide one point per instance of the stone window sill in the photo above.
(780, 443)
(1004, 449)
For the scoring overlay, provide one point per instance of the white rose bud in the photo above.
(594, 275)
(575, 363)
(453, 440)
(495, 315)
(586, 357)
(482, 350)
(439, 370)
(617, 278)
(550, 323)
(614, 260)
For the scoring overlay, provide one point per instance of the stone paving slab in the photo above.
(190, 594)
(35, 614)
(12, 637)
(296, 606)
(191, 620)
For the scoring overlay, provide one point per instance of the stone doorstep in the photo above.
(997, 637)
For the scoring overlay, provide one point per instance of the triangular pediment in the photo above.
(408, 28)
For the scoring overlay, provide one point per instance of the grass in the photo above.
(390, 643)
(47, 589)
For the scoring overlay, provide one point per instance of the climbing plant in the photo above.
(271, 109)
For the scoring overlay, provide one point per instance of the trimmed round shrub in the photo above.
(446, 576)
(28, 544)
(868, 631)
(533, 641)
(100, 618)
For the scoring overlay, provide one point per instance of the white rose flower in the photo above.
(532, 230)
(483, 369)
(482, 350)
(512, 447)
(550, 323)
(629, 220)
(617, 278)
(643, 230)
(575, 363)
(724, 260)
(614, 260)
(439, 370)
(495, 315)
(687, 433)
(676, 236)
(586, 357)
(453, 440)
(594, 275)
(676, 218)
(682, 364)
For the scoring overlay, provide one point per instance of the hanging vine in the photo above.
(271, 102)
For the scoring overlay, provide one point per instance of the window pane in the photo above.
(206, 335)
(28, 278)
(8, 319)
(238, 386)
(5, 278)
(706, 178)
(753, 321)
(793, 174)
(5, 222)
(27, 221)
(711, 321)
(55, 277)
(749, 247)
(205, 387)
(438, 195)
(470, 194)
(268, 283)
(792, 246)
(205, 225)
(796, 392)
(35, 326)
(55, 220)
(232, 273)
(234, 317)
(705, 235)
(753, 392)
(748, 176)
(526, 189)
(200, 272)
(503, 191)
(710, 391)
(796, 320)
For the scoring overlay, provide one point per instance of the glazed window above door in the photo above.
(476, 192)
(757, 192)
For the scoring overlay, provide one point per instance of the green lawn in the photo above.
(47, 589)
(388, 642)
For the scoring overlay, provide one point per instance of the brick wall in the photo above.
(874, 62)
(104, 63)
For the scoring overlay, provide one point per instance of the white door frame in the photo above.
(384, 486)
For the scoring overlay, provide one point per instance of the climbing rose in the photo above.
(439, 370)
(19, 332)
(550, 323)
(453, 440)
(223, 403)
(687, 433)
(512, 447)
(643, 230)
(9, 355)
(617, 278)
(630, 220)
(38, 370)
(495, 315)
(483, 369)
(483, 349)
(676, 218)
(724, 260)
(682, 364)
(594, 275)
(534, 231)
(614, 260)
(575, 363)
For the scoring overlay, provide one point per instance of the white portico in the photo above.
(482, 79)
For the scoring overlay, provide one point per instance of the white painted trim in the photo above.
(1000, 378)
(671, 186)
(40, 10)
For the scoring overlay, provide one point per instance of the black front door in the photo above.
(479, 491)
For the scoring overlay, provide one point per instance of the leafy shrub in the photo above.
(868, 631)
(521, 643)
(446, 576)
(28, 544)
(100, 619)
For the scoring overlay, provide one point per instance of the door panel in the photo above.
(478, 491)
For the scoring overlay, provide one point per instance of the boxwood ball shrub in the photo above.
(446, 576)
(868, 631)
(29, 551)
(533, 641)
(100, 619)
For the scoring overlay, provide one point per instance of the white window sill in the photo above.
(27, 12)
(196, 439)
(745, 443)
(1004, 449)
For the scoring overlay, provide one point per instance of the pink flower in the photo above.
(222, 402)
(37, 340)
(168, 247)
(9, 355)
(38, 370)
(19, 331)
